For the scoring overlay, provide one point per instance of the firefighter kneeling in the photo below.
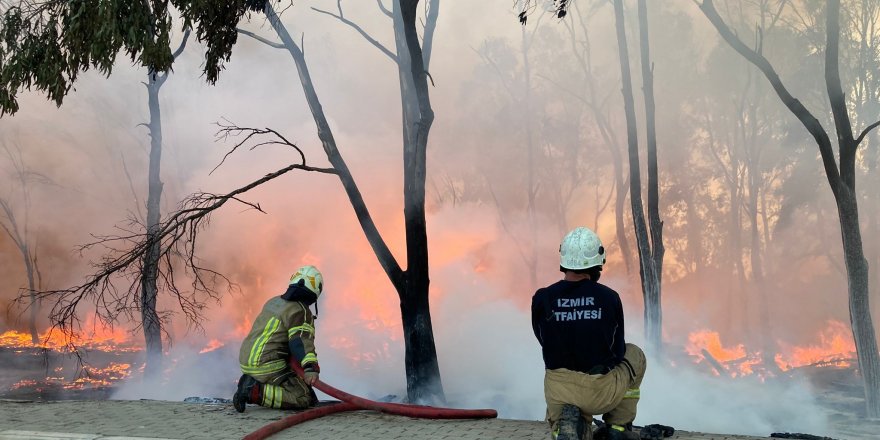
(590, 369)
(285, 328)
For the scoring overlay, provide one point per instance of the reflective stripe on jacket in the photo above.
(265, 348)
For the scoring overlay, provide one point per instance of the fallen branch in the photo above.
(714, 362)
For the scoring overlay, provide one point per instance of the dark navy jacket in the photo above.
(579, 325)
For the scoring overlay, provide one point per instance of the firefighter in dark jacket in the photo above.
(590, 369)
(284, 328)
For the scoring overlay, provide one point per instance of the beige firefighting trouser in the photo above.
(284, 390)
(614, 394)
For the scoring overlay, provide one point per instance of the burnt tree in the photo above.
(150, 320)
(653, 309)
(411, 284)
(20, 233)
(841, 179)
(649, 243)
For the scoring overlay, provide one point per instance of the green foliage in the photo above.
(46, 44)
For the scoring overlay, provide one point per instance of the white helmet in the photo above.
(311, 278)
(581, 249)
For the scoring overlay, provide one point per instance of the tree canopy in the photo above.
(45, 44)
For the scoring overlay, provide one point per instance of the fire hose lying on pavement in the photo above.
(353, 403)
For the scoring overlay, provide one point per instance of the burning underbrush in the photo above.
(107, 365)
(834, 349)
(829, 365)
(53, 370)
(113, 366)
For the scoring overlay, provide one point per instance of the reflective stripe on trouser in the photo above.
(614, 394)
(284, 390)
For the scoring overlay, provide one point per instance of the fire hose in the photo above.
(351, 402)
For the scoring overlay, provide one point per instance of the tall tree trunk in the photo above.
(20, 237)
(867, 110)
(422, 368)
(736, 301)
(32, 287)
(873, 228)
(768, 349)
(646, 262)
(756, 184)
(655, 314)
(848, 212)
(842, 183)
(423, 371)
(150, 272)
(859, 304)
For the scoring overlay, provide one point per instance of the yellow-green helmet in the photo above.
(311, 279)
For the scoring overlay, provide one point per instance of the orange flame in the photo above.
(711, 342)
(115, 340)
(836, 348)
(213, 344)
(736, 360)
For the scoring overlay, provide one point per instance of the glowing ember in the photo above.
(87, 378)
(27, 383)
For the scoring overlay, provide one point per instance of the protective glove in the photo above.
(310, 377)
(310, 373)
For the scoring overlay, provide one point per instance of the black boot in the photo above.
(571, 425)
(615, 432)
(656, 432)
(243, 392)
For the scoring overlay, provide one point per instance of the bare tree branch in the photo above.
(360, 30)
(114, 287)
(794, 105)
(162, 76)
(384, 10)
(325, 134)
(432, 10)
(866, 131)
(231, 130)
(182, 44)
(270, 43)
(842, 124)
(12, 229)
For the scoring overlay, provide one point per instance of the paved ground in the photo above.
(114, 420)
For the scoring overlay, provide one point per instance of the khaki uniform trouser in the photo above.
(284, 390)
(615, 394)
